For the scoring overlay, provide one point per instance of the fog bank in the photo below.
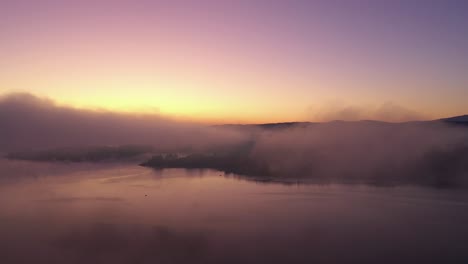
(367, 151)
(29, 123)
(431, 152)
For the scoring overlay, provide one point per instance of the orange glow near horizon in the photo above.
(252, 64)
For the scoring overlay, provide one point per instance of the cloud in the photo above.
(29, 122)
(388, 111)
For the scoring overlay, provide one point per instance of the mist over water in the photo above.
(337, 192)
(130, 214)
(133, 132)
(368, 151)
(429, 153)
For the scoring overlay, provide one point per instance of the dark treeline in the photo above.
(439, 168)
(237, 164)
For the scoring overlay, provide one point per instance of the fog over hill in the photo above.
(424, 152)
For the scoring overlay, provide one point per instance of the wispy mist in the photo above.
(432, 152)
(387, 111)
(367, 151)
(29, 122)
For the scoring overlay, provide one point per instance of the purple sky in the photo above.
(246, 61)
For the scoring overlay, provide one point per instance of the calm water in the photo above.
(56, 213)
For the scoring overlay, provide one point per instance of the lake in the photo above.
(122, 213)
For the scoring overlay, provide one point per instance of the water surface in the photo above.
(68, 213)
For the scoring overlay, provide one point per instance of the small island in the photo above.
(228, 163)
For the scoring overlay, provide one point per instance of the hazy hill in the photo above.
(460, 120)
(463, 119)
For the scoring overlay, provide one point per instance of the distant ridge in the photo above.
(269, 125)
(459, 120)
(456, 119)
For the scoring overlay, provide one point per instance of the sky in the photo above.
(241, 61)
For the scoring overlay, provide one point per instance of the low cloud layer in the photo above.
(29, 122)
(434, 152)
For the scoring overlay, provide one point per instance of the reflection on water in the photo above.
(58, 213)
